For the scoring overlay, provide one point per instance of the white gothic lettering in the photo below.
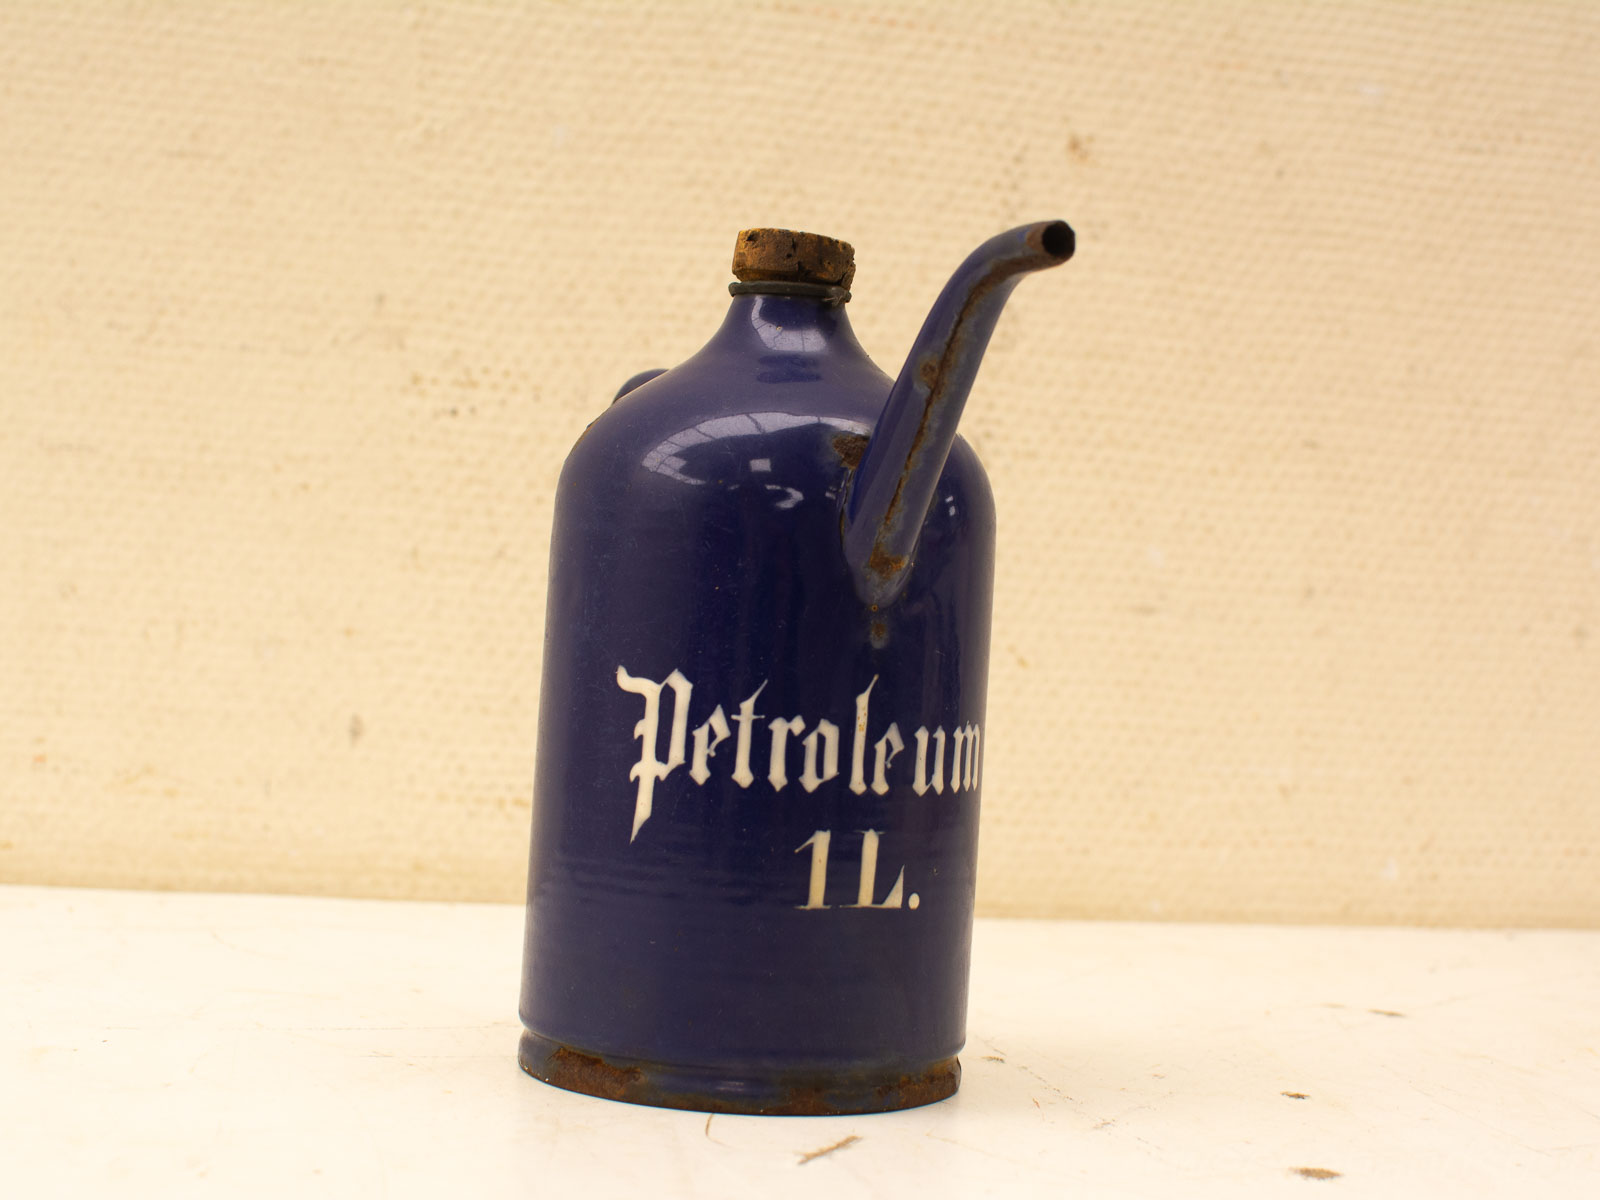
(795, 741)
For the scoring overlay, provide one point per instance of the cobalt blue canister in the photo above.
(761, 729)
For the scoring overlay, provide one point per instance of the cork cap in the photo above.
(794, 257)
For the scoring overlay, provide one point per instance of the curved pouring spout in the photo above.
(892, 488)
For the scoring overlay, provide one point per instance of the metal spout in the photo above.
(894, 485)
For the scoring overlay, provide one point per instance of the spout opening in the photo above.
(1058, 240)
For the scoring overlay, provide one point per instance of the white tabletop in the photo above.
(173, 1045)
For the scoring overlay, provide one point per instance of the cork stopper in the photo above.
(794, 257)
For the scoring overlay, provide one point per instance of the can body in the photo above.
(756, 803)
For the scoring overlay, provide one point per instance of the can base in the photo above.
(772, 1093)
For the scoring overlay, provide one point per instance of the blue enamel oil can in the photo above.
(761, 730)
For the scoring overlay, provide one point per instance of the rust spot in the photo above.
(886, 566)
(1316, 1173)
(915, 1090)
(850, 447)
(880, 633)
(928, 372)
(804, 1102)
(567, 1068)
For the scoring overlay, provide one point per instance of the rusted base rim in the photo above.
(771, 1093)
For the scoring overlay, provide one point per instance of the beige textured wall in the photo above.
(1298, 465)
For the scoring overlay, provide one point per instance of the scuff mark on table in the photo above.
(850, 1140)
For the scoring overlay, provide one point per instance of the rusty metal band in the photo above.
(759, 1092)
